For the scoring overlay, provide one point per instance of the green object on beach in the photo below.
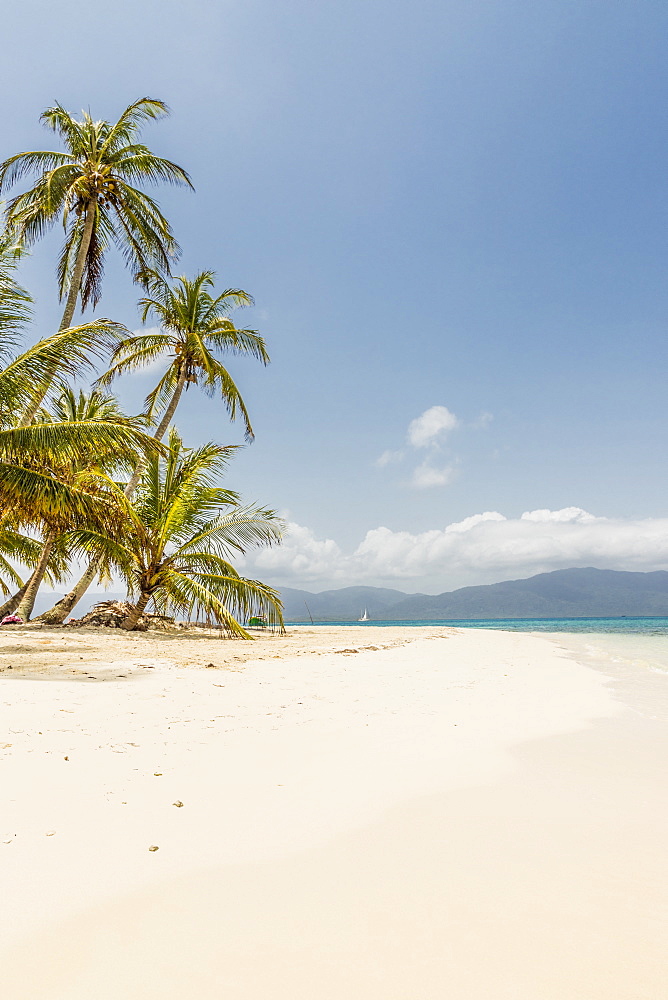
(258, 622)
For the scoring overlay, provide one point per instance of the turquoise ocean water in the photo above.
(605, 626)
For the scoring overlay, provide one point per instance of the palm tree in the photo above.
(91, 187)
(24, 383)
(178, 536)
(53, 473)
(195, 327)
(93, 462)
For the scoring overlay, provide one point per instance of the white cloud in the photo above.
(482, 548)
(388, 457)
(431, 426)
(473, 520)
(483, 421)
(429, 430)
(301, 555)
(426, 475)
(567, 515)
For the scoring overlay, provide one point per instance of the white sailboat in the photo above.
(364, 617)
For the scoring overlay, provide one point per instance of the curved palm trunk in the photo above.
(27, 602)
(60, 611)
(71, 303)
(130, 622)
(10, 605)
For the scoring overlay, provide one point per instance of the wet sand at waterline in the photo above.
(344, 812)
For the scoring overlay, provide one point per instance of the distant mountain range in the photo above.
(564, 593)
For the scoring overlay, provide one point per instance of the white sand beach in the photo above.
(395, 813)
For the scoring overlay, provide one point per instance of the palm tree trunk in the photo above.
(160, 432)
(77, 273)
(130, 622)
(27, 602)
(60, 611)
(10, 605)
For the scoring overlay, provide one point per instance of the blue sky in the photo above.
(457, 205)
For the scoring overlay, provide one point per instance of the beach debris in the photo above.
(211, 666)
(112, 614)
(11, 620)
(154, 847)
(178, 804)
(157, 774)
(50, 833)
(66, 758)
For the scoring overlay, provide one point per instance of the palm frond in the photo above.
(59, 442)
(15, 301)
(16, 167)
(53, 363)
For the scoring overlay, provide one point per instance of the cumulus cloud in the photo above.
(427, 475)
(429, 430)
(302, 556)
(482, 548)
(431, 426)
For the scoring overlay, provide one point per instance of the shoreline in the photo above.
(311, 753)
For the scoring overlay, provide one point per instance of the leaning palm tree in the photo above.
(29, 489)
(17, 547)
(94, 461)
(177, 538)
(54, 475)
(91, 187)
(195, 328)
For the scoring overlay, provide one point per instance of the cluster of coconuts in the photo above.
(100, 186)
(191, 375)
